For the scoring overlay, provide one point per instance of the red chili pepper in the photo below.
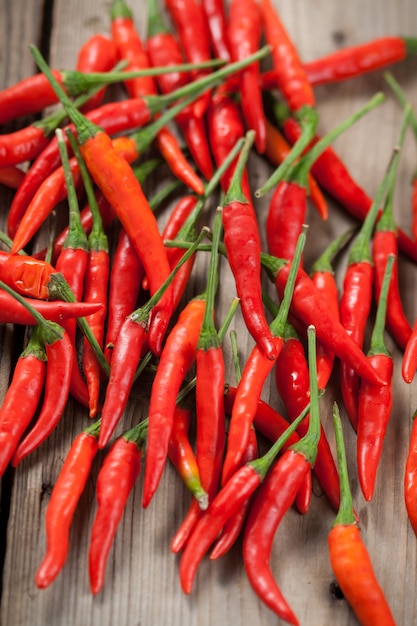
(349, 557)
(97, 54)
(288, 206)
(243, 245)
(193, 34)
(255, 372)
(62, 504)
(356, 300)
(28, 276)
(375, 401)
(60, 359)
(276, 150)
(227, 503)
(182, 456)
(409, 362)
(244, 30)
(164, 50)
(410, 474)
(357, 60)
(293, 385)
(385, 243)
(274, 499)
(11, 176)
(22, 397)
(177, 357)
(12, 312)
(115, 481)
(323, 277)
(413, 208)
(217, 23)
(308, 307)
(334, 178)
(72, 263)
(127, 353)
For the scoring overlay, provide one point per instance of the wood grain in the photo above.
(142, 586)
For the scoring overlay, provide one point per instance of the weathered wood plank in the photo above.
(142, 584)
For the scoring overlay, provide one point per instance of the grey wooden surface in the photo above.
(142, 585)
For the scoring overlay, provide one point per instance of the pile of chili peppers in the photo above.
(107, 304)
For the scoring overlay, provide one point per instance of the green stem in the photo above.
(93, 429)
(402, 99)
(50, 331)
(35, 346)
(235, 192)
(324, 263)
(308, 444)
(345, 515)
(235, 355)
(143, 170)
(155, 24)
(97, 239)
(227, 320)
(386, 221)
(377, 343)
(277, 325)
(160, 196)
(208, 335)
(76, 238)
(137, 434)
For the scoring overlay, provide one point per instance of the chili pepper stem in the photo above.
(345, 514)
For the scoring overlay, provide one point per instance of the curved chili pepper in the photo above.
(274, 499)
(244, 31)
(217, 25)
(97, 54)
(308, 307)
(182, 456)
(288, 205)
(64, 498)
(410, 474)
(126, 355)
(255, 372)
(225, 506)
(60, 359)
(409, 362)
(356, 60)
(276, 150)
(22, 397)
(322, 275)
(164, 50)
(385, 243)
(356, 300)
(177, 357)
(349, 557)
(334, 178)
(12, 312)
(243, 245)
(115, 481)
(375, 401)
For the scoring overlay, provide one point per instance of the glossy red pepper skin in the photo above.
(410, 478)
(124, 286)
(354, 572)
(384, 243)
(215, 14)
(28, 276)
(97, 54)
(375, 406)
(60, 361)
(115, 481)
(356, 60)
(293, 385)
(20, 403)
(355, 307)
(177, 357)
(244, 31)
(272, 501)
(22, 145)
(12, 312)
(326, 283)
(286, 216)
(409, 362)
(11, 176)
(62, 504)
(414, 209)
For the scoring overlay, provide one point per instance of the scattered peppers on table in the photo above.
(211, 437)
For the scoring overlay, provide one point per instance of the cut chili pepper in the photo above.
(349, 557)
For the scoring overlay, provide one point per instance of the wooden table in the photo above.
(142, 585)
